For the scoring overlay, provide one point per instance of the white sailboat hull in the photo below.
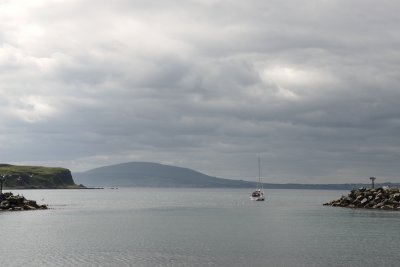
(257, 195)
(261, 198)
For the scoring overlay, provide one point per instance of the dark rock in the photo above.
(28, 207)
(383, 198)
(378, 206)
(4, 205)
(11, 202)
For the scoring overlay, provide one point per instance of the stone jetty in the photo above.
(383, 198)
(15, 203)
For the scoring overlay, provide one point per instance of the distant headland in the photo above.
(36, 177)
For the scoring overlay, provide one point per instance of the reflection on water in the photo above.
(195, 227)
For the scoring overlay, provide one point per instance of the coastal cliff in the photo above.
(383, 198)
(36, 177)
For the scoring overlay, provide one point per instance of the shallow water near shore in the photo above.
(196, 227)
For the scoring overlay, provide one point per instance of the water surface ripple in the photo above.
(195, 227)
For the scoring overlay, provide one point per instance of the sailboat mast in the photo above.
(259, 173)
(259, 170)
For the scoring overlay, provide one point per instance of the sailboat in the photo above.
(258, 194)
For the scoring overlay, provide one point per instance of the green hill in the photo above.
(147, 174)
(35, 177)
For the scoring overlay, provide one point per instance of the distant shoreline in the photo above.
(155, 175)
(50, 188)
(348, 186)
(250, 185)
(266, 186)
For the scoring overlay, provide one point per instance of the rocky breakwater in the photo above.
(380, 198)
(13, 203)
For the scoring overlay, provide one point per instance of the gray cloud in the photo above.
(311, 87)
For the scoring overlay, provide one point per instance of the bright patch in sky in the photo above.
(33, 109)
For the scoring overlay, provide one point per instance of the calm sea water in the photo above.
(196, 227)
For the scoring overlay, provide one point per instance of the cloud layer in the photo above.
(311, 87)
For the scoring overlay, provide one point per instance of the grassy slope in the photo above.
(36, 177)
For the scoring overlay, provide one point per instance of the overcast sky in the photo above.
(312, 87)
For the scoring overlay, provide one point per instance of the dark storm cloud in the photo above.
(310, 86)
